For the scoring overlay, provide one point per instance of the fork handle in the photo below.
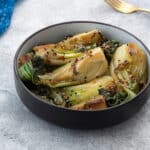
(143, 9)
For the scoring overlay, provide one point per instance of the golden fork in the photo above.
(125, 7)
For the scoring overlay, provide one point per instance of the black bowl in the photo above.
(73, 118)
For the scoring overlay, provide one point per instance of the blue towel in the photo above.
(6, 10)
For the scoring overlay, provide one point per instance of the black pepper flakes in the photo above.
(44, 48)
(74, 67)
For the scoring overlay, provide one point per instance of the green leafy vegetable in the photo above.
(26, 71)
(118, 97)
(109, 47)
(30, 70)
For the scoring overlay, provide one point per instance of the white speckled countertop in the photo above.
(22, 130)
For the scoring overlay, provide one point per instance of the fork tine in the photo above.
(119, 4)
(125, 6)
(113, 3)
(122, 3)
(110, 2)
(119, 1)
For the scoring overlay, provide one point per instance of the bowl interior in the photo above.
(55, 33)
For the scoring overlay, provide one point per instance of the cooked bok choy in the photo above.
(64, 51)
(26, 71)
(59, 57)
(90, 65)
(86, 95)
(128, 67)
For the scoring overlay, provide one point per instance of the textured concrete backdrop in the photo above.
(22, 130)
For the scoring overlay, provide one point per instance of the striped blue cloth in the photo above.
(6, 10)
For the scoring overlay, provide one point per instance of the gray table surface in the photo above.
(22, 130)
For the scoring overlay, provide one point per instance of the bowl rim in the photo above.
(69, 109)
